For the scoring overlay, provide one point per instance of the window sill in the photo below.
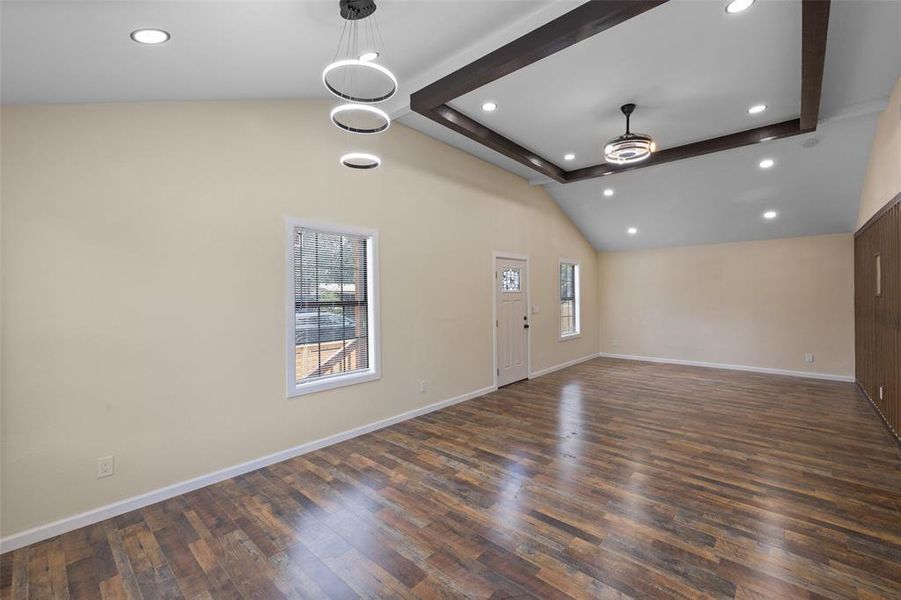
(333, 382)
(570, 336)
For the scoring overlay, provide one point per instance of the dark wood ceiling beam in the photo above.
(814, 27)
(452, 119)
(579, 24)
(571, 28)
(718, 144)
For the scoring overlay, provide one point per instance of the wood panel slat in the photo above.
(877, 318)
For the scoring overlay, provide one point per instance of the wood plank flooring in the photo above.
(610, 479)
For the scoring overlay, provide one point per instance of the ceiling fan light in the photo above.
(629, 148)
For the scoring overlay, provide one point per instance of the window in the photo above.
(332, 328)
(569, 299)
(510, 282)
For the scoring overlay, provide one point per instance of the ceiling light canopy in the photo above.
(757, 109)
(489, 106)
(150, 37)
(630, 147)
(766, 163)
(737, 6)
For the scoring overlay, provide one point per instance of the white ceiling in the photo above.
(79, 51)
(721, 197)
(692, 69)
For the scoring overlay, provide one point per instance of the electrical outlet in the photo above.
(423, 386)
(808, 357)
(880, 393)
(106, 466)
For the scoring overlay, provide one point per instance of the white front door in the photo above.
(512, 320)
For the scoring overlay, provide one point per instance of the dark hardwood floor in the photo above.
(609, 479)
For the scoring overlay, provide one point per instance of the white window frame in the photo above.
(372, 294)
(577, 276)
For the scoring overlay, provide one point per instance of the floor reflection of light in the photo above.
(507, 508)
(569, 429)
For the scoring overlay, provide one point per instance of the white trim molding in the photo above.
(712, 365)
(49, 530)
(568, 363)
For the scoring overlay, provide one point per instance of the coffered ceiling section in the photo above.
(692, 69)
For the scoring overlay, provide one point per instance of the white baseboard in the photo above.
(711, 365)
(568, 363)
(43, 532)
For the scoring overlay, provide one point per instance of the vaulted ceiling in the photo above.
(692, 69)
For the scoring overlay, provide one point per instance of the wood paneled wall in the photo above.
(878, 315)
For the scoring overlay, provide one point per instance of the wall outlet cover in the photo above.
(106, 466)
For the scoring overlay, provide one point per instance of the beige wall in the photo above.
(143, 265)
(760, 304)
(883, 179)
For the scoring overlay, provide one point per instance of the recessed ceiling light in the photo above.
(632, 230)
(770, 214)
(757, 109)
(569, 156)
(737, 6)
(766, 163)
(150, 36)
(369, 56)
(608, 192)
(489, 106)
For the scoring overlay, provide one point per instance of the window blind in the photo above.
(331, 307)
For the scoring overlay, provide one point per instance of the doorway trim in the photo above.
(493, 289)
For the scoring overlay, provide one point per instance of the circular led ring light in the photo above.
(351, 62)
(629, 148)
(360, 160)
(351, 108)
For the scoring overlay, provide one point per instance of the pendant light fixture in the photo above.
(356, 77)
(629, 147)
